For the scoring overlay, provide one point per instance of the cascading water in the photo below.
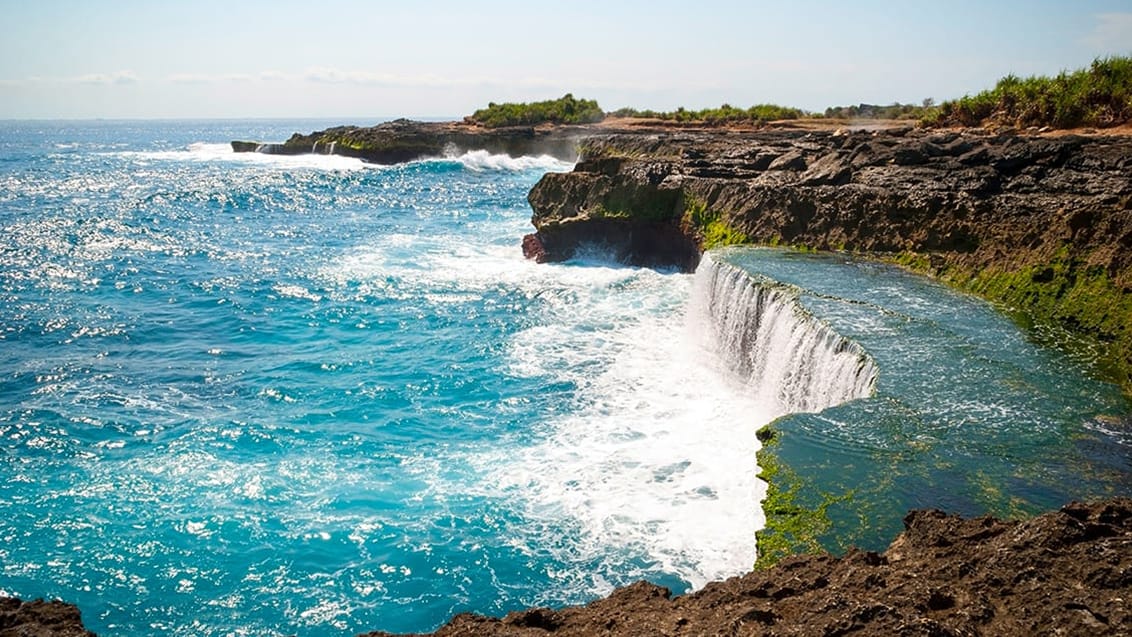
(787, 357)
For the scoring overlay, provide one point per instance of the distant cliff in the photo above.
(405, 140)
(1042, 224)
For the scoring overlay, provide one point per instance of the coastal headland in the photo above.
(1038, 221)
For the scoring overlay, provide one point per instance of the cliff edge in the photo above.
(1040, 223)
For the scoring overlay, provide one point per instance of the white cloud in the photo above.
(104, 79)
(117, 77)
(328, 75)
(1112, 33)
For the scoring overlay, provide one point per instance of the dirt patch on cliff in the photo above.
(1062, 573)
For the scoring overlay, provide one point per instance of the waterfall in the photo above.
(782, 351)
(332, 145)
(314, 149)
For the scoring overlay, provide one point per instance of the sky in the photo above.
(373, 59)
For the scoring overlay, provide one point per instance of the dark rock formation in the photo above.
(1042, 223)
(405, 140)
(1062, 573)
(246, 147)
(40, 619)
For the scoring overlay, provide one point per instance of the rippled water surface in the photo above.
(252, 394)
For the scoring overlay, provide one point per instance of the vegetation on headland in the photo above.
(1099, 96)
(725, 114)
(564, 110)
(896, 110)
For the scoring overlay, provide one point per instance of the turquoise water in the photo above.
(248, 394)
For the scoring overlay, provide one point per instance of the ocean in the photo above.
(246, 394)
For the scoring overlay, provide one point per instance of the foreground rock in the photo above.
(1042, 223)
(1062, 573)
(40, 619)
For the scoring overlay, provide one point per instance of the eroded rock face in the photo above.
(1068, 572)
(885, 191)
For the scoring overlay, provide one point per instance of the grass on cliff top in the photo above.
(1099, 96)
(725, 114)
(564, 110)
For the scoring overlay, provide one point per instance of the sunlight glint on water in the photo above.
(252, 393)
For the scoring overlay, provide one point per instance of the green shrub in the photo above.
(725, 114)
(896, 110)
(565, 110)
(1099, 96)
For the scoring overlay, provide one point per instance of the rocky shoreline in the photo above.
(1066, 572)
(39, 618)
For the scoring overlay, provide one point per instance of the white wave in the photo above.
(658, 459)
(482, 161)
(656, 464)
(203, 152)
(475, 160)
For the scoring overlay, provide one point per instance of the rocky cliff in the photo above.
(406, 140)
(1041, 223)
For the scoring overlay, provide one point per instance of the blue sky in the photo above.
(340, 58)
